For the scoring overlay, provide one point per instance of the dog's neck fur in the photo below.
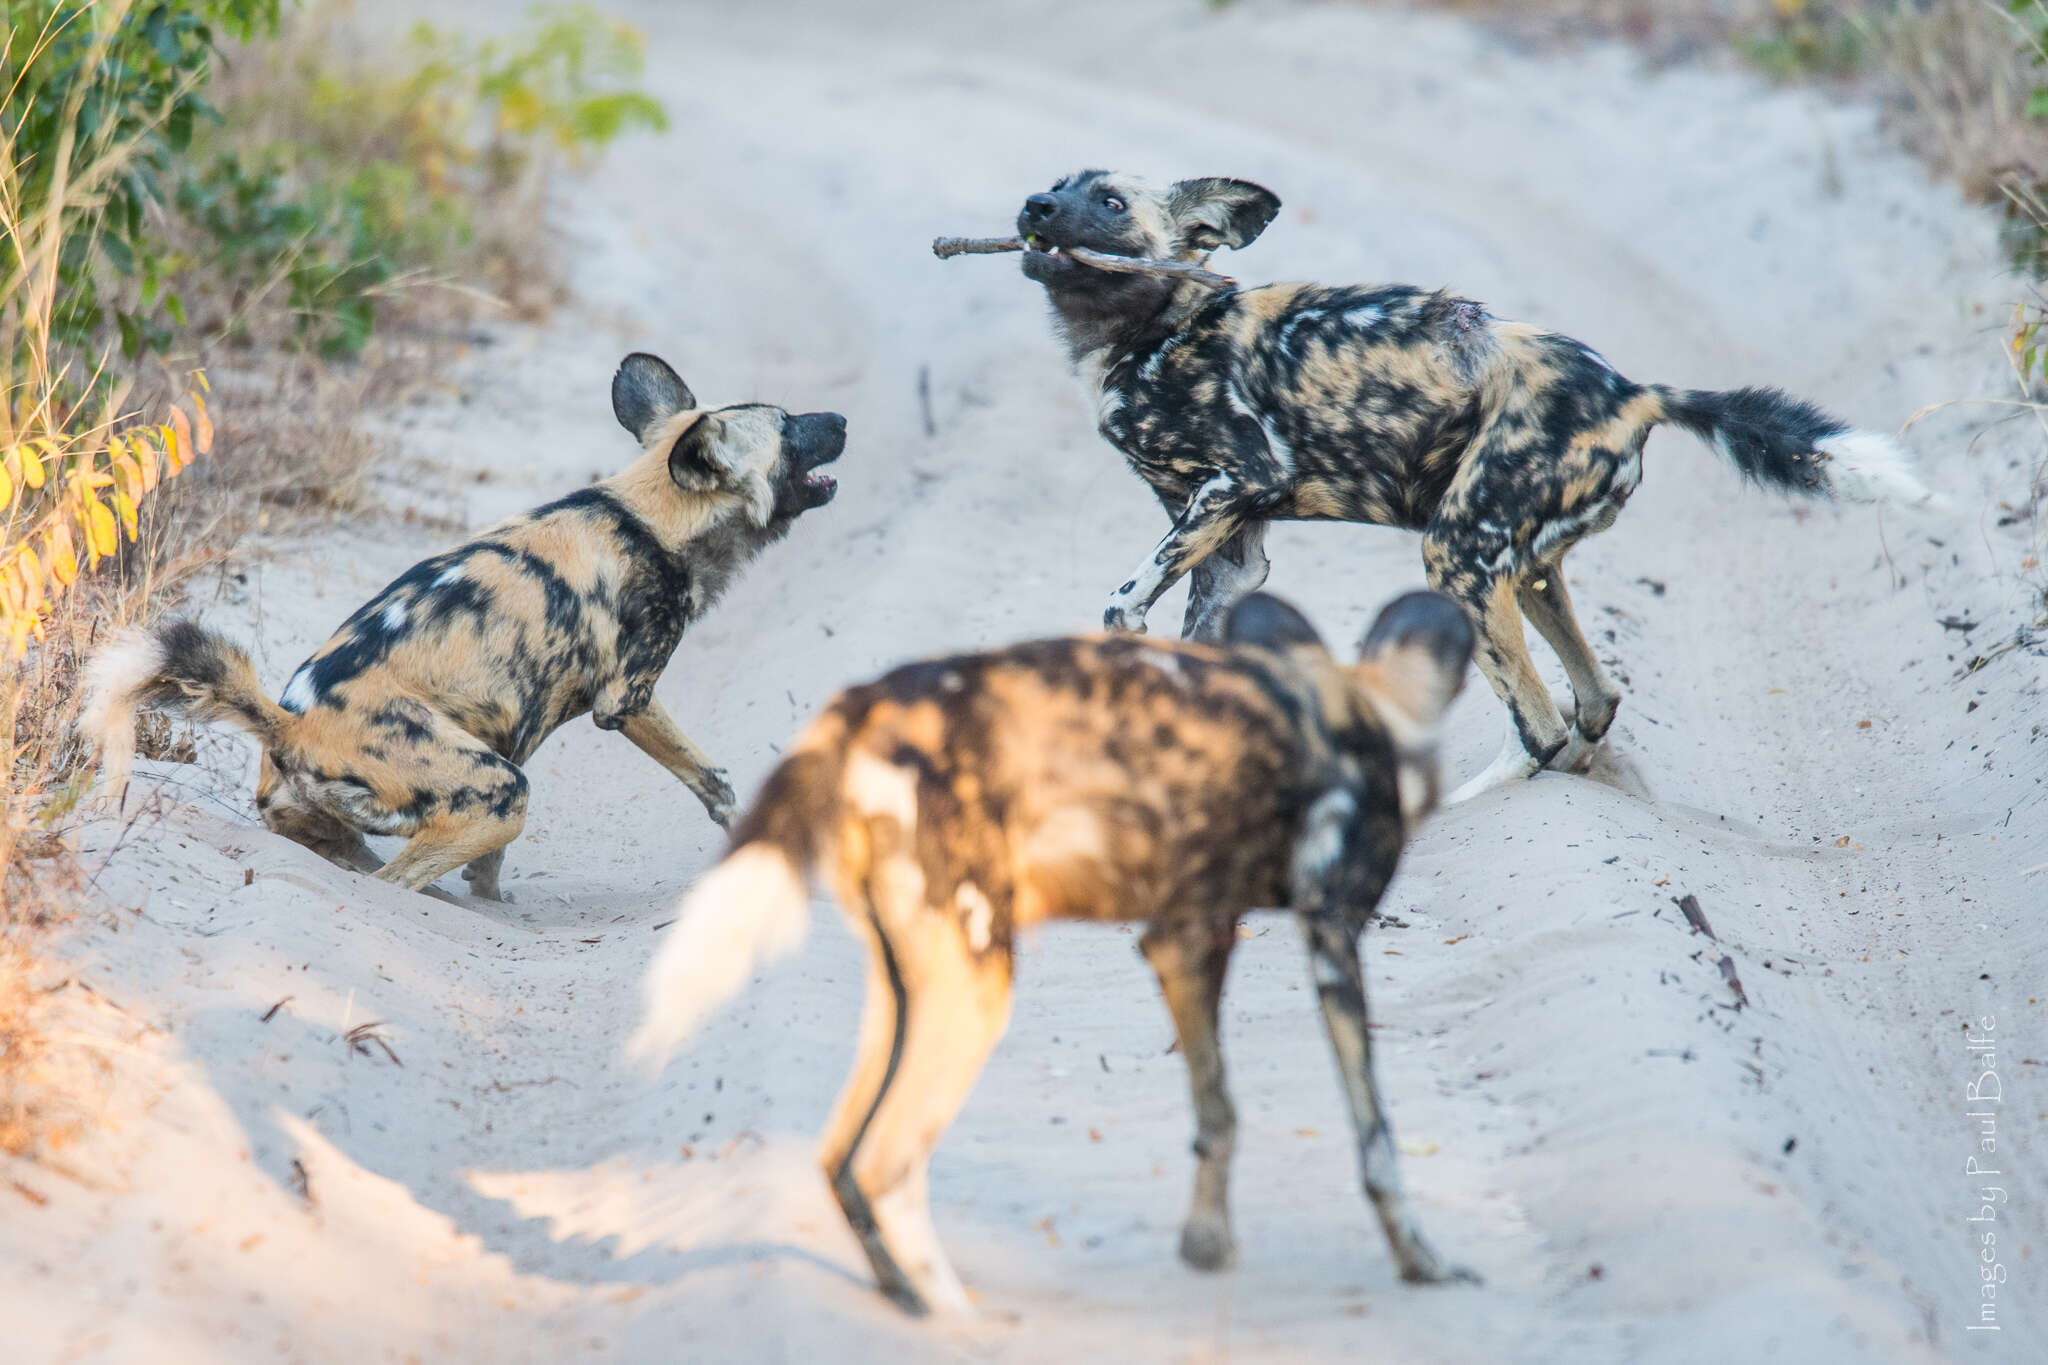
(1090, 331)
(715, 529)
(676, 516)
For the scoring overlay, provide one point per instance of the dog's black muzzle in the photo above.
(810, 440)
(1049, 225)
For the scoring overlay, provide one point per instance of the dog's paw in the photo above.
(720, 801)
(1122, 620)
(1441, 1272)
(1576, 756)
(1420, 1263)
(1208, 1245)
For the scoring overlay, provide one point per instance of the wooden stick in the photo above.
(1695, 916)
(945, 247)
(1727, 965)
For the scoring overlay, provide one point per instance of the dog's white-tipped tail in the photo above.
(1866, 466)
(117, 677)
(746, 912)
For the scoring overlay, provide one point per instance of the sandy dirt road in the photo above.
(1643, 1173)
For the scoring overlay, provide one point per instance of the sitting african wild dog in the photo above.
(1504, 444)
(956, 802)
(415, 718)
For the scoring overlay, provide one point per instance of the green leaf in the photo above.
(175, 306)
(118, 253)
(178, 127)
(158, 31)
(2037, 103)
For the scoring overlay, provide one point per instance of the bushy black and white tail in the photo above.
(178, 665)
(746, 912)
(1788, 443)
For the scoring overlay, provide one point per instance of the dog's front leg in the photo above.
(1212, 517)
(662, 740)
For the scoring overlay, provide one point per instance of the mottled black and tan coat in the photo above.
(1502, 443)
(953, 803)
(416, 718)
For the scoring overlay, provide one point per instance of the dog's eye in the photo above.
(1113, 204)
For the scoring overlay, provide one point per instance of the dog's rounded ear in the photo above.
(1211, 211)
(646, 393)
(693, 459)
(1421, 644)
(1264, 620)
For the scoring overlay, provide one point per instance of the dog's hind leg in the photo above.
(448, 841)
(482, 876)
(1595, 697)
(1191, 956)
(950, 1003)
(1236, 571)
(477, 806)
(875, 1057)
(284, 813)
(1536, 730)
(662, 740)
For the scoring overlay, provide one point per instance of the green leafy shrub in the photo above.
(100, 100)
(372, 180)
(362, 184)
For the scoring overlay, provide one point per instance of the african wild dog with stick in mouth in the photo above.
(1504, 444)
(953, 803)
(416, 717)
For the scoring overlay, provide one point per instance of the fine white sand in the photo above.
(1642, 1173)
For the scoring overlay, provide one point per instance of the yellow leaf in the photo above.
(128, 469)
(32, 460)
(180, 448)
(102, 536)
(131, 519)
(57, 549)
(155, 462)
(6, 488)
(202, 429)
(31, 570)
(199, 377)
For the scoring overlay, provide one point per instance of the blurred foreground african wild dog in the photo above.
(1504, 444)
(952, 803)
(416, 717)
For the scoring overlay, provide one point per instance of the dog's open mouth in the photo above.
(1046, 247)
(816, 486)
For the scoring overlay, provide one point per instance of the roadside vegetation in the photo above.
(227, 229)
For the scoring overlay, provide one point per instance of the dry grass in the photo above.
(1668, 29)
